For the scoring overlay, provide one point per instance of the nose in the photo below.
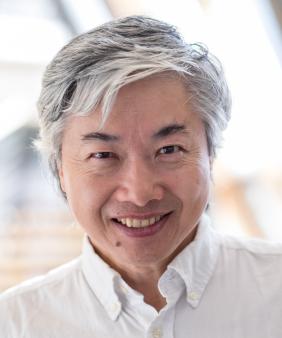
(139, 184)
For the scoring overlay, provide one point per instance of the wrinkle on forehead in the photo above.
(142, 108)
(147, 96)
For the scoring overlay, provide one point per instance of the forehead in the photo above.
(144, 106)
(153, 96)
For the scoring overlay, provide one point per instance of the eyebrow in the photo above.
(170, 130)
(99, 137)
(163, 132)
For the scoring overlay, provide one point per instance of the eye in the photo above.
(171, 149)
(102, 155)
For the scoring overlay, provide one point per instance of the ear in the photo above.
(61, 177)
(211, 160)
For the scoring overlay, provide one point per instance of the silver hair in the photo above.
(92, 67)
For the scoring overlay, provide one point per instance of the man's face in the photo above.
(148, 167)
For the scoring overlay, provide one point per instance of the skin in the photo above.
(139, 172)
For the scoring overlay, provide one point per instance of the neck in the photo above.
(142, 278)
(145, 278)
(146, 281)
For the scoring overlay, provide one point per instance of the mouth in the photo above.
(140, 227)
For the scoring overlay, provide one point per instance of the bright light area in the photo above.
(25, 112)
(30, 40)
(254, 74)
(186, 15)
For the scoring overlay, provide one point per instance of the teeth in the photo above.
(139, 223)
(145, 222)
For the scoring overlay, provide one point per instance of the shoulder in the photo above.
(22, 301)
(54, 276)
(255, 257)
(39, 300)
(251, 245)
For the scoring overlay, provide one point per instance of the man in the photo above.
(131, 117)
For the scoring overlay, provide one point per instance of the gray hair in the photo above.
(92, 67)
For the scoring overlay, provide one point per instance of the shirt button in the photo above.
(157, 333)
(193, 296)
(115, 307)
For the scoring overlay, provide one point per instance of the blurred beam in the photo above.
(65, 16)
(83, 15)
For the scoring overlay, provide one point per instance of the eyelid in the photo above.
(180, 148)
(92, 155)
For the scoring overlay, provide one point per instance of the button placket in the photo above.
(157, 333)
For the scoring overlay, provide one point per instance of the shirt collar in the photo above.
(197, 262)
(195, 265)
(101, 278)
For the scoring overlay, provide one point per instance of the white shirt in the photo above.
(217, 287)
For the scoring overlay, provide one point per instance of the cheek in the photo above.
(193, 187)
(85, 195)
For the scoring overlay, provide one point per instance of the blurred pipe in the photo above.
(271, 13)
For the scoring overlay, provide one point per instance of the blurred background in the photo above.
(37, 231)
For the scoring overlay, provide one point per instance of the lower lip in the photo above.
(142, 232)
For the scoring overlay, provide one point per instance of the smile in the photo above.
(141, 227)
(139, 223)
